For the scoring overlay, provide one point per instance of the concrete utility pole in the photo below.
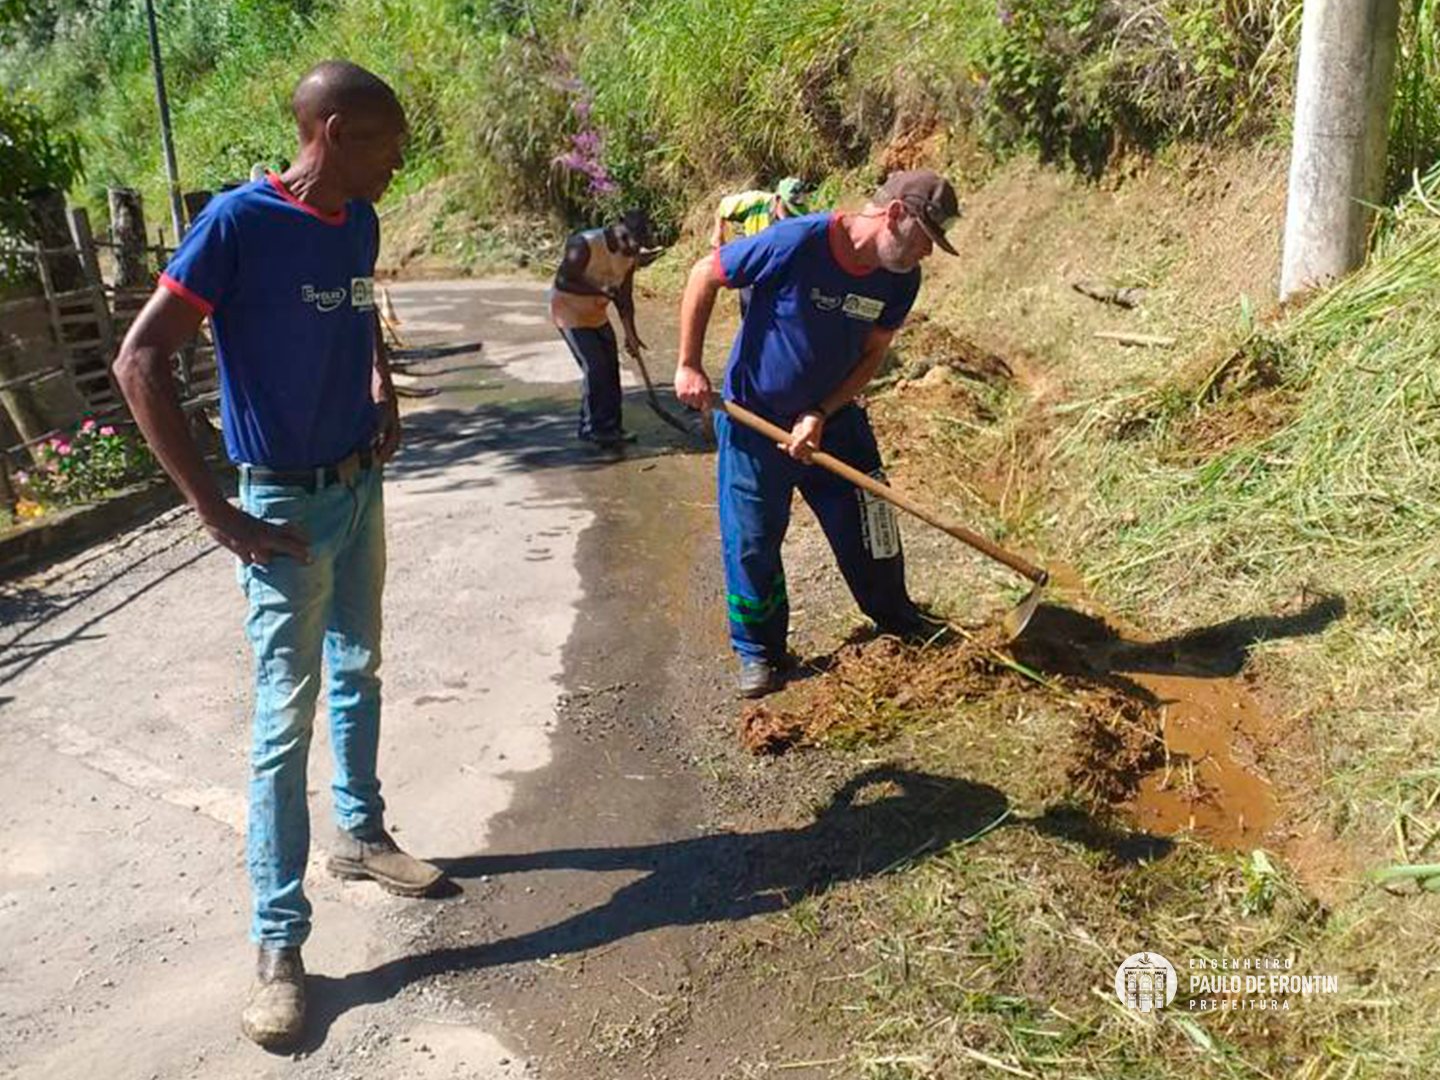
(1342, 117)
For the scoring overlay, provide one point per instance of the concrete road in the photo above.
(125, 700)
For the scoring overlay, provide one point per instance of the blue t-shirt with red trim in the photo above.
(290, 292)
(808, 316)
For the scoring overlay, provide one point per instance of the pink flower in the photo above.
(22, 477)
(62, 448)
(89, 425)
(107, 430)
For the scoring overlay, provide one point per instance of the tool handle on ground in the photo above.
(884, 491)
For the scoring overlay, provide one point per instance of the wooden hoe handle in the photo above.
(884, 491)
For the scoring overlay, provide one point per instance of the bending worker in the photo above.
(750, 212)
(598, 268)
(830, 290)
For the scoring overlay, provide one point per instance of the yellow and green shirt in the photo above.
(749, 210)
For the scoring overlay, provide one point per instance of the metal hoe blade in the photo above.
(1019, 617)
(654, 401)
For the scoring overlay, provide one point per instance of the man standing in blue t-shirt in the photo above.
(829, 293)
(283, 268)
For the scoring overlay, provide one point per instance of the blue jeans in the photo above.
(756, 482)
(299, 613)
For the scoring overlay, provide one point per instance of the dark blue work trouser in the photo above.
(756, 481)
(596, 352)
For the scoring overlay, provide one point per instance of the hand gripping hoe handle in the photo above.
(1016, 621)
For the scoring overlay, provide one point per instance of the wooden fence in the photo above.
(55, 369)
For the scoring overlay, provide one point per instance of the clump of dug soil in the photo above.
(870, 691)
(927, 345)
(866, 691)
(1116, 742)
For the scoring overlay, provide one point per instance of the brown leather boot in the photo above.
(274, 1015)
(381, 860)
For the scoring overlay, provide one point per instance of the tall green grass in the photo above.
(1415, 124)
(676, 97)
(1337, 490)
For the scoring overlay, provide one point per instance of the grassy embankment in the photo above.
(1271, 459)
(1268, 461)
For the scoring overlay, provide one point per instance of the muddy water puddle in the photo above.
(1208, 728)
(1206, 786)
(1176, 753)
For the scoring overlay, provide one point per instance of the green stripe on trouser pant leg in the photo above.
(751, 612)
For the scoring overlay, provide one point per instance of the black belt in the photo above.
(316, 479)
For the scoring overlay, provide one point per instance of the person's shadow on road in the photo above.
(882, 819)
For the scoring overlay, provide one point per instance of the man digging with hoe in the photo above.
(829, 293)
(283, 267)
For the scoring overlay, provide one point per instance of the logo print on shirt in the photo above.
(362, 293)
(324, 299)
(823, 302)
(863, 307)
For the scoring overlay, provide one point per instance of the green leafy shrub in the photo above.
(34, 156)
(1081, 79)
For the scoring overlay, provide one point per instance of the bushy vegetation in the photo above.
(575, 106)
(33, 157)
(1082, 79)
(87, 464)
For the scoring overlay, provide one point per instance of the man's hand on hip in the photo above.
(387, 439)
(805, 436)
(692, 387)
(253, 540)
